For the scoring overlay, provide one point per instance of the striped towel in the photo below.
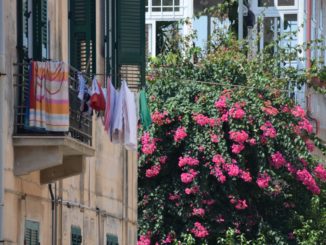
(49, 96)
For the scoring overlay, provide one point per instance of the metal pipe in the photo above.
(240, 20)
(52, 214)
(2, 126)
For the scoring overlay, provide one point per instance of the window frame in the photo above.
(275, 7)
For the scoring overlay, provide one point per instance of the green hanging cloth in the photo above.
(145, 115)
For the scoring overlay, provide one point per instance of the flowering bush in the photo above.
(232, 157)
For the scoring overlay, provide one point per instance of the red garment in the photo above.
(97, 97)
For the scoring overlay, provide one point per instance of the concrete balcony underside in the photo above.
(56, 157)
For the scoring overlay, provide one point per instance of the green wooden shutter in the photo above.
(23, 16)
(112, 239)
(40, 30)
(82, 35)
(131, 36)
(31, 236)
(76, 237)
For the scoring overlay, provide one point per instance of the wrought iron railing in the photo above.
(80, 127)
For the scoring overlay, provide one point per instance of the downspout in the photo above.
(240, 20)
(308, 64)
(2, 109)
(53, 238)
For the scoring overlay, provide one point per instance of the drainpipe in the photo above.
(2, 110)
(240, 20)
(53, 200)
(308, 64)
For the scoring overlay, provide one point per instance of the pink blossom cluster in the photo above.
(198, 212)
(320, 172)
(297, 111)
(277, 160)
(268, 130)
(237, 113)
(188, 177)
(305, 177)
(148, 144)
(270, 110)
(144, 240)
(237, 148)
(245, 176)
(162, 159)
(208, 202)
(304, 124)
(218, 159)
(217, 172)
(192, 190)
(153, 171)
(239, 204)
(180, 134)
(174, 197)
(169, 239)
(310, 145)
(160, 118)
(263, 180)
(183, 161)
(232, 169)
(221, 103)
(199, 230)
(239, 136)
(202, 120)
(214, 138)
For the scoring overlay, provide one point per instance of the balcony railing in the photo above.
(80, 127)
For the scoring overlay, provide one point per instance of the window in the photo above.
(111, 239)
(163, 5)
(32, 29)
(76, 237)
(286, 2)
(291, 27)
(271, 26)
(82, 35)
(32, 232)
(266, 3)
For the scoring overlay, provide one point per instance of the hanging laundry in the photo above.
(113, 100)
(107, 106)
(49, 96)
(129, 118)
(117, 136)
(82, 86)
(97, 97)
(145, 115)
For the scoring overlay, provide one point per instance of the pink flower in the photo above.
(236, 149)
(209, 202)
(144, 240)
(278, 160)
(217, 172)
(304, 124)
(263, 180)
(160, 118)
(162, 159)
(252, 142)
(270, 110)
(221, 103)
(188, 177)
(199, 230)
(192, 190)
(183, 161)
(305, 177)
(245, 176)
(320, 172)
(201, 119)
(242, 204)
(148, 144)
(198, 212)
(237, 113)
(153, 171)
(232, 169)
(268, 130)
(174, 197)
(238, 136)
(220, 219)
(290, 168)
(180, 134)
(297, 111)
(201, 148)
(168, 239)
(225, 117)
(214, 138)
(310, 145)
(218, 159)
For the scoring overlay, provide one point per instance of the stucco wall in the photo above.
(109, 180)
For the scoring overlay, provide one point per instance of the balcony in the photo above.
(56, 155)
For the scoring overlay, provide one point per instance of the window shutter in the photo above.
(31, 236)
(40, 30)
(76, 237)
(111, 240)
(82, 35)
(131, 40)
(23, 16)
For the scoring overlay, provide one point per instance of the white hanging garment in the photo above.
(82, 85)
(129, 118)
(117, 118)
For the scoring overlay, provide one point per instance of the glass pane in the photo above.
(290, 27)
(167, 2)
(156, 5)
(271, 29)
(266, 3)
(286, 2)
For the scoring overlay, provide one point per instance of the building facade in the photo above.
(76, 187)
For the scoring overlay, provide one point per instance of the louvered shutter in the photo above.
(111, 240)
(31, 236)
(23, 37)
(82, 35)
(40, 30)
(131, 40)
(76, 237)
